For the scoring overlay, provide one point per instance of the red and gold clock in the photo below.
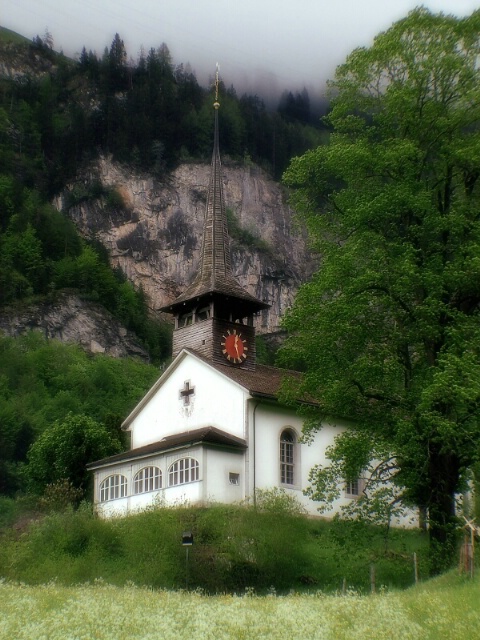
(234, 347)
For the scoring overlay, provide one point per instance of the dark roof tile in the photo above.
(205, 435)
(263, 380)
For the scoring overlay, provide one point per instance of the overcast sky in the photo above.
(286, 44)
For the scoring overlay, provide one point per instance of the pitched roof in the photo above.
(262, 381)
(206, 435)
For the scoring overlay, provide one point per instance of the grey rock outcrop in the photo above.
(71, 319)
(155, 235)
(20, 61)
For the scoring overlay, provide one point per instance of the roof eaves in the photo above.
(149, 451)
(121, 458)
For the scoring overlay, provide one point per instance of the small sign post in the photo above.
(187, 542)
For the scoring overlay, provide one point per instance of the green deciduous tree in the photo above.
(65, 448)
(388, 329)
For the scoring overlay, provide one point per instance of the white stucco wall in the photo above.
(218, 467)
(221, 403)
(267, 421)
(217, 402)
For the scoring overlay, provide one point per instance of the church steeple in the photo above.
(214, 294)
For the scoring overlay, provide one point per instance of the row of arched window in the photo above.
(150, 479)
(187, 470)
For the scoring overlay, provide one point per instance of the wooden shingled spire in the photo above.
(215, 263)
(214, 276)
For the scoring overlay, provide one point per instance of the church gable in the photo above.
(190, 395)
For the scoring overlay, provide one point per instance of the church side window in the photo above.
(287, 457)
(183, 471)
(147, 479)
(353, 488)
(113, 487)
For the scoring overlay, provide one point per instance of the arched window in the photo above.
(147, 479)
(183, 471)
(287, 457)
(113, 487)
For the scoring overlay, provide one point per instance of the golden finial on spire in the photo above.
(216, 104)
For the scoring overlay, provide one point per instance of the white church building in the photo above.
(212, 429)
(209, 432)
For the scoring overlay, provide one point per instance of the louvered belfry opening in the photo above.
(214, 302)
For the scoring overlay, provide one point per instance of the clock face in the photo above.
(234, 347)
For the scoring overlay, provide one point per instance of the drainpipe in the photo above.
(254, 457)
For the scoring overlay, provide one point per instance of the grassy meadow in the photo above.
(252, 573)
(445, 608)
(234, 548)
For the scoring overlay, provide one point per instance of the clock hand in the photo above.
(236, 346)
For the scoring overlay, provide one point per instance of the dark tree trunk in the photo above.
(444, 477)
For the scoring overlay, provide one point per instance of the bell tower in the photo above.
(214, 315)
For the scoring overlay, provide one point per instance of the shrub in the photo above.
(234, 548)
(60, 495)
(245, 237)
(114, 200)
(277, 500)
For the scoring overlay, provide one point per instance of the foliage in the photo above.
(245, 237)
(60, 455)
(277, 500)
(388, 329)
(265, 351)
(379, 501)
(431, 611)
(147, 111)
(239, 547)
(17, 512)
(83, 193)
(34, 237)
(42, 253)
(41, 381)
(235, 547)
(60, 495)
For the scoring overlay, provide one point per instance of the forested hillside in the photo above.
(58, 115)
(42, 382)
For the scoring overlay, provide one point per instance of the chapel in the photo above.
(212, 429)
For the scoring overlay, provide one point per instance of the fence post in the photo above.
(415, 566)
(472, 553)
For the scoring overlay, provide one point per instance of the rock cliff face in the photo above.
(71, 319)
(19, 60)
(153, 231)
